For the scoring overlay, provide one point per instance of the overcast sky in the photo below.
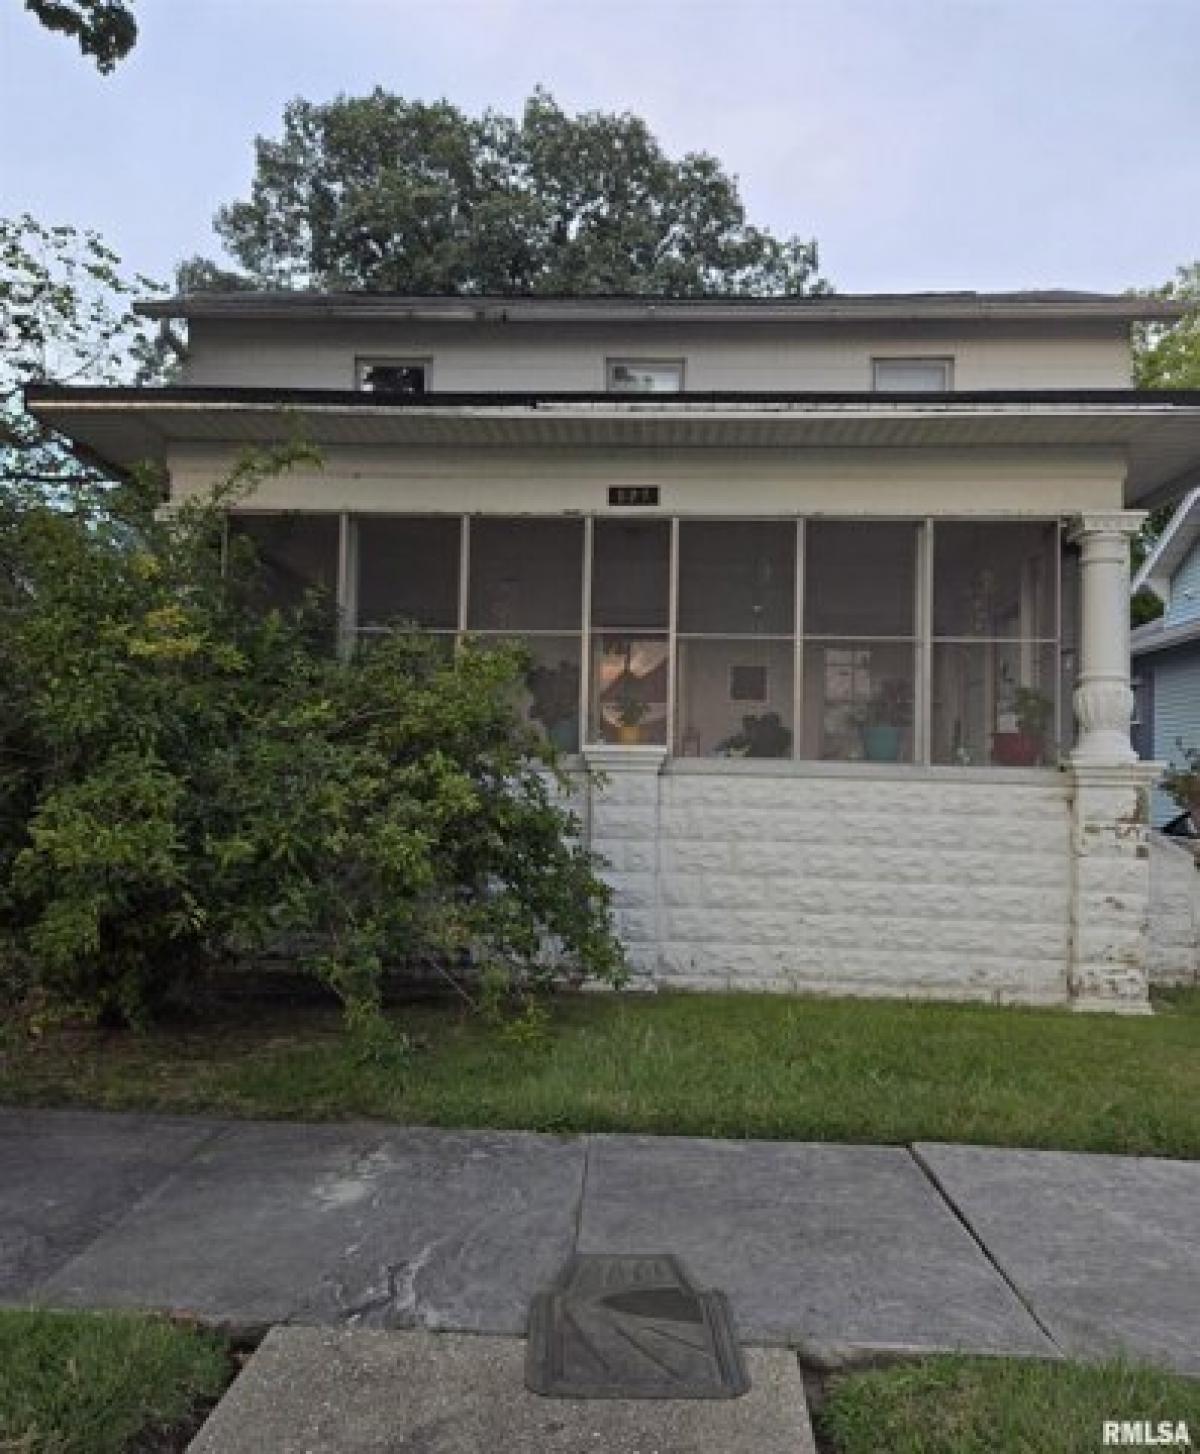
(924, 143)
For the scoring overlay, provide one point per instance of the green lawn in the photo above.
(983, 1406)
(720, 1065)
(95, 1383)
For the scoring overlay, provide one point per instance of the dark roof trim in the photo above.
(1137, 399)
(1045, 304)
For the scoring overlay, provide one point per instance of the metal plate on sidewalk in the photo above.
(631, 1327)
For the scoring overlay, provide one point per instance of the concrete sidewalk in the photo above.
(834, 1250)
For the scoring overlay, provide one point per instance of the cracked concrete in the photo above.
(842, 1251)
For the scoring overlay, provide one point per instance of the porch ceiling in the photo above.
(1159, 433)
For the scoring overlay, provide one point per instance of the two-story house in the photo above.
(834, 590)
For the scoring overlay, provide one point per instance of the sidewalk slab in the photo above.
(68, 1176)
(359, 1224)
(371, 1392)
(1106, 1249)
(830, 1248)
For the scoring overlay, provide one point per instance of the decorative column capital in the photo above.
(1093, 524)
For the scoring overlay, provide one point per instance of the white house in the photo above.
(833, 589)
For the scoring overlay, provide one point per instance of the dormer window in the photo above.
(645, 375)
(912, 375)
(405, 376)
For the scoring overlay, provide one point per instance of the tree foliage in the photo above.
(1169, 357)
(65, 317)
(377, 192)
(1165, 357)
(187, 777)
(105, 29)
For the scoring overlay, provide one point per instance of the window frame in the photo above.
(614, 361)
(362, 362)
(944, 361)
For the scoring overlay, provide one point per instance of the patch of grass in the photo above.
(103, 1383)
(980, 1406)
(703, 1065)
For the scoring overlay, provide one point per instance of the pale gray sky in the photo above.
(925, 143)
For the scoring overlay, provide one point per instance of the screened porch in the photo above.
(927, 641)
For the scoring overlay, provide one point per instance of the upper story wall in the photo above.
(532, 357)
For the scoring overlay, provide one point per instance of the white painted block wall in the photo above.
(791, 881)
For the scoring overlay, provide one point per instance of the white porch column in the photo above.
(1110, 898)
(1103, 699)
(623, 828)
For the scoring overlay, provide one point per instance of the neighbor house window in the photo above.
(394, 375)
(995, 662)
(645, 375)
(860, 641)
(735, 643)
(912, 375)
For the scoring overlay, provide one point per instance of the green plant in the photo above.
(187, 778)
(1035, 711)
(1182, 779)
(764, 736)
(632, 712)
(891, 704)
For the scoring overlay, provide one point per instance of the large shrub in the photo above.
(185, 777)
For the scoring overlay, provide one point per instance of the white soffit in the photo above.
(1161, 440)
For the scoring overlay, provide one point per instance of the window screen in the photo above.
(393, 376)
(408, 571)
(526, 575)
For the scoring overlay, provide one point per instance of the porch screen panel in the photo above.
(860, 641)
(630, 614)
(296, 556)
(995, 661)
(525, 585)
(526, 575)
(735, 646)
(408, 569)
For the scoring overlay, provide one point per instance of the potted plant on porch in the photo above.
(888, 713)
(1026, 747)
(630, 716)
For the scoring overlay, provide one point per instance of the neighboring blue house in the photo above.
(1166, 652)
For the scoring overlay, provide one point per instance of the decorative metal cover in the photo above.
(620, 1326)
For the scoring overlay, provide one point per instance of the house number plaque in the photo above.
(633, 495)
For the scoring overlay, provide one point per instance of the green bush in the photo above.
(185, 777)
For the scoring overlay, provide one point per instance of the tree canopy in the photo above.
(105, 29)
(1169, 358)
(65, 317)
(381, 193)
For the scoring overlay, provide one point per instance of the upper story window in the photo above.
(645, 375)
(393, 375)
(912, 375)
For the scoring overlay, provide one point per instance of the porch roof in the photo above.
(1159, 431)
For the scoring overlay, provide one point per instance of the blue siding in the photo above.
(1185, 590)
(1176, 711)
